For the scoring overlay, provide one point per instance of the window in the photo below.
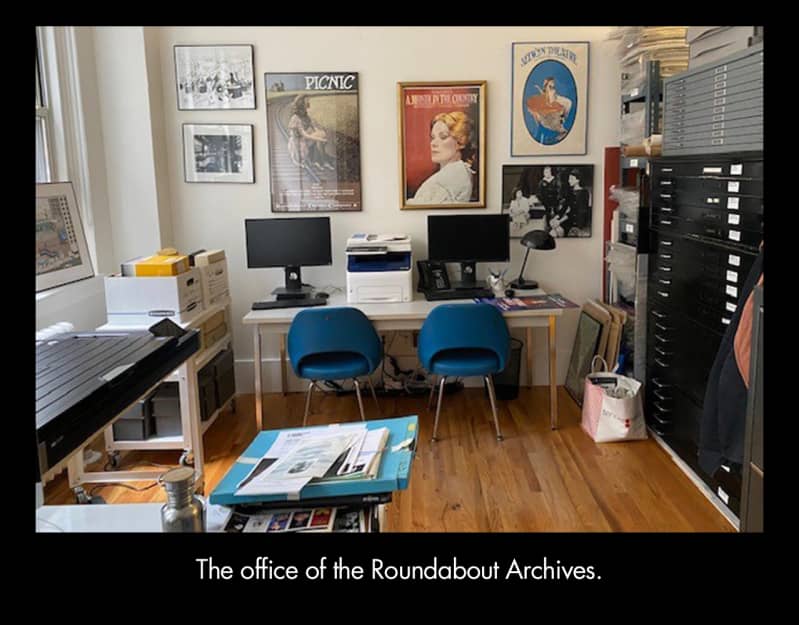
(43, 121)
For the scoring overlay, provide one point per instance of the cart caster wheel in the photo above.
(185, 459)
(113, 459)
(80, 496)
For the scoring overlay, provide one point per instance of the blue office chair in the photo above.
(464, 340)
(334, 344)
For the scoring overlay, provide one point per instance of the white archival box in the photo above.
(135, 300)
(379, 268)
(214, 279)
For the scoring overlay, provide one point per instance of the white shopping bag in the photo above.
(612, 406)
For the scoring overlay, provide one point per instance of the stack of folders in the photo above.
(298, 457)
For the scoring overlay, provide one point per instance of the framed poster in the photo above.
(217, 153)
(62, 255)
(313, 133)
(549, 98)
(554, 198)
(442, 144)
(214, 77)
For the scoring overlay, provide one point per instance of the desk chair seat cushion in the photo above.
(465, 362)
(333, 344)
(471, 337)
(333, 366)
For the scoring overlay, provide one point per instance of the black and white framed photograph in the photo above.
(214, 77)
(218, 153)
(554, 198)
(62, 255)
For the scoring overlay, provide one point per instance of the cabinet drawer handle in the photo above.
(666, 209)
(666, 196)
(661, 408)
(659, 384)
(661, 339)
(660, 396)
(665, 222)
(660, 421)
(662, 364)
(662, 327)
(663, 294)
(659, 315)
(664, 268)
(667, 243)
(663, 353)
(666, 282)
(666, 256)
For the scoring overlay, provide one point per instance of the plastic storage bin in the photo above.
(166, 410)
(506, 382)
(224, 376)
(206, 383)
(136, 424)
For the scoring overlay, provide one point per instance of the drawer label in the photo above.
(719, 125)
(719, 101)
(733, 202)
(719, 77)
(633, 162)
(732, 276)
(713, 200)
(719, 109)
(722, 495)
(735, 235)
(711, 170)
(732, 291)
(733, 186)
(717, 133)
(734, 219)
(734, 260)
(717, 142)
(720, 69)
(720, 92)
(634, 92)
(629, 228)
(725, 321)
(736, 169)
(731, 307)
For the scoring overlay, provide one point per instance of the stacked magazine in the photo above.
(322, 519)
(298, 457)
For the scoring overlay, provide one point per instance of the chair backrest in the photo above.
(334, 329)
(464, 326)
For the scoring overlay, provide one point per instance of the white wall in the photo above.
(212, 215)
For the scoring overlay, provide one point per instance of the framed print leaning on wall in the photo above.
(549, 96)
(218, 153)
(62, 255)
(442, 144)
(214, 77)
(313, 133)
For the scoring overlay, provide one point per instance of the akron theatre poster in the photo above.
(550, 98)
(314, 141)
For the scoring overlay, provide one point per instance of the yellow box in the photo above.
(162, 266)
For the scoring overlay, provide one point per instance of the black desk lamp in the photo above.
(533, 240)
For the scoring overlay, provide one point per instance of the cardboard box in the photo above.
(214, 278)
(206, 258)
(130, 299)
(156, 265)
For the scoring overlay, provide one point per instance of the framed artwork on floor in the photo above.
(442, 130)
(313, 134)
(218, 153)
(549, 96)
(214, 77)
(62, 255)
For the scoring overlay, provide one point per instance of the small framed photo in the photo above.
(62, 255)
(214, 77)
(442, 144)
(218, 153)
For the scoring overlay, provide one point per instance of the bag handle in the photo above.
(604, 364)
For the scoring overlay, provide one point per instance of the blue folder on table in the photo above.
(394, 472)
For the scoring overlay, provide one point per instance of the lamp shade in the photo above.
(538, 240)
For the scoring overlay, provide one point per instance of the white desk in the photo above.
(402, 316)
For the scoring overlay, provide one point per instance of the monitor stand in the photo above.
(468, 273)
(294, 288)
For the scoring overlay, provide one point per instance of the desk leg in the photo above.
(529, 338)
(188, 389)
(256, 365)
(283, 384)
(553, 376)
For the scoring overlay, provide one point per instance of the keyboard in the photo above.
(443, 294)
(289, 303)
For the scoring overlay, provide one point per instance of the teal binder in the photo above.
(394, 473)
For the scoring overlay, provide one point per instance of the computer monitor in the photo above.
(289, 243)
(468, 239)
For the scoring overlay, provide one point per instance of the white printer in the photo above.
(379, 268)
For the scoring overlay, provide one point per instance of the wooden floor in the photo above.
(536, 480)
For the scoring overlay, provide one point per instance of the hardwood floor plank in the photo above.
(535, 480)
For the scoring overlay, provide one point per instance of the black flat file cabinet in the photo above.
(706, 225)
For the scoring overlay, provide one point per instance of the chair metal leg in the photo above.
(438, 407)
(493, 399)
(360, 401)
(432, 390)
(308, 401)
(374, 395)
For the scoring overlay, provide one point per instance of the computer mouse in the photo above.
(323, 295)
(510, 292)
